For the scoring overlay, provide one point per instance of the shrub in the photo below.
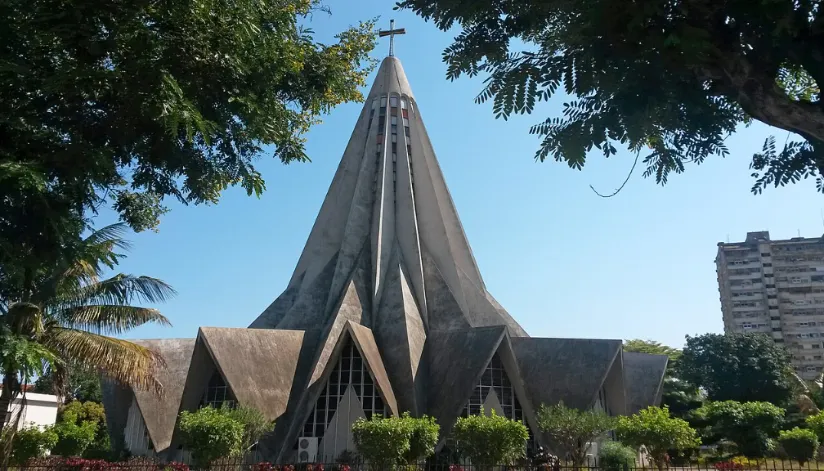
(751, 425)
(573, 430)
(81, 427)
(423, 436)
(490, 440)
(658, 432)
(383, 442)
(254, 423)
(209, 434)
(74, 438)
(816, 424)
(799, 444)
(32, 442)
(614, 456)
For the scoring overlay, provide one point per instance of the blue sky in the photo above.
(563, 261)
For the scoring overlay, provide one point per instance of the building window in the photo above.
(218, 393)
(350, 370)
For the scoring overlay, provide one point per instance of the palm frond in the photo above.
(111, 319)
(120, 289)
(83, 263)
(120, 360)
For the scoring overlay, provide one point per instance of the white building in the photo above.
(39, 410)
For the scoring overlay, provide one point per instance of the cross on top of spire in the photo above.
(391, 32)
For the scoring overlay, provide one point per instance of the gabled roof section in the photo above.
(258, 365)
(457, 359)
(568, 370)
(160, 413)
(644, 379)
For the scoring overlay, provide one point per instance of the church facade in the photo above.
(385, 313)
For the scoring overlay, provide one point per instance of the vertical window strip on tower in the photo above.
(393, 106)
(405, 117)
(349, 370)
(381, 132)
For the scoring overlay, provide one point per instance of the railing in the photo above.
(142, 464)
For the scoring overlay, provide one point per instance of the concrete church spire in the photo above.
(389, 225)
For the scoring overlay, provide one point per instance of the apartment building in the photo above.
(776, 287)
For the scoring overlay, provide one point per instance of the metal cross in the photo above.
(391, 33)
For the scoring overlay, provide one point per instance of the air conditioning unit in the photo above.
(307, 449)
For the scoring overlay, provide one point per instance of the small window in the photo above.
(394, 157)
(383, 101)
(394, 120)
(394, 138)
(403, 103)
(393, 102)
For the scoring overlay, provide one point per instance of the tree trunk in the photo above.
(761, 98)
(5, 415)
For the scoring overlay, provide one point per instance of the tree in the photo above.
(751, 425)
(654, 429)
(210, 434)
(382, 441)
(738, 367)
(573, 430)
(81, 385)
(799, 444)
(675, 77)
(490, 440)
(126, 104)
(63, 314)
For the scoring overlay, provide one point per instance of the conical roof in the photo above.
(389, 226)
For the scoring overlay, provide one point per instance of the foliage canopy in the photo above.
(573, 430)
(127, 103)
(799, 444)
(738, 367)
(654, 429)
(210, 434)
(490, 439)
(751, 425)
(382, 441)
(670, 79)
(32, 442)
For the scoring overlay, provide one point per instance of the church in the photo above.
(386, 312)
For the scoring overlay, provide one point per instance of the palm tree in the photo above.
(66, 314)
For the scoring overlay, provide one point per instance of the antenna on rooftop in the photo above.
(728, 238)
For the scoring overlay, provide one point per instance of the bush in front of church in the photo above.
(210, 434)
(490, 440)
(423, 436)
(385, 442)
